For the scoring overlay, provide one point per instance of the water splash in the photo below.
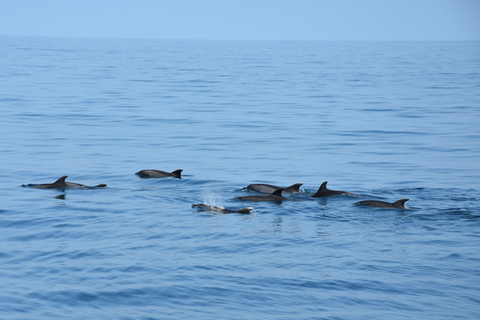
(212, 198)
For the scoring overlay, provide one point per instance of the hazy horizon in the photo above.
(305, 20)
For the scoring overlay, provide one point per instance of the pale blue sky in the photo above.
(245, 19)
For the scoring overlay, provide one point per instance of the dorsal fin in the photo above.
(61, 180)
(245, 210)
(323, 187)
(400, 203)
(177, 173)
(295, 187)
(277, 192)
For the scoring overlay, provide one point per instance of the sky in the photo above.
(343, 20)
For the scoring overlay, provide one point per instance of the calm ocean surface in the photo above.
(385, 120)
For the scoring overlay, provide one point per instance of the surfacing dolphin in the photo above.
(269, 189)
(400, 204)
(150, 173)
(78, 185)
(274, 196)
(221, 209)
(62, 184)
(323, 191)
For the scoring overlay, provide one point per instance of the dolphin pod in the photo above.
(274, 193)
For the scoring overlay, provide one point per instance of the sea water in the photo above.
(383, 120)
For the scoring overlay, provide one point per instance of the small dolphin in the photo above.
(323, 191)
(62, 184)
(268, 188)
(78, 185)
(159, 174)
(221, 209)
(400, 204)
(274, 196)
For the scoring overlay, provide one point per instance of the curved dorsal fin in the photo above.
(277, 192)
(400, 203)
(323, 187)
(245, 210)
(177, 173)
(61, 180)
(295, 187)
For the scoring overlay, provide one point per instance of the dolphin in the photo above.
(62, 184)
(400, 204)
(268, 188)
(221, 209)
(159, 174)
(323, 191)
(274, 196)
(78, 185)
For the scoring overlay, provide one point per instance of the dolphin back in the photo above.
(400, 204)
(60, 183)
(151, 173)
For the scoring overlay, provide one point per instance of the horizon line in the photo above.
(236, 39)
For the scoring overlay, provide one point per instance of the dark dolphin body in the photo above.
(78, 185)
(159, 174)
(400, 204)
(62, 184)
(275, 196)
(268, 188)
(222, 210)
(323, 191)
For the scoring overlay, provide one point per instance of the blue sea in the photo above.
(383, 120)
